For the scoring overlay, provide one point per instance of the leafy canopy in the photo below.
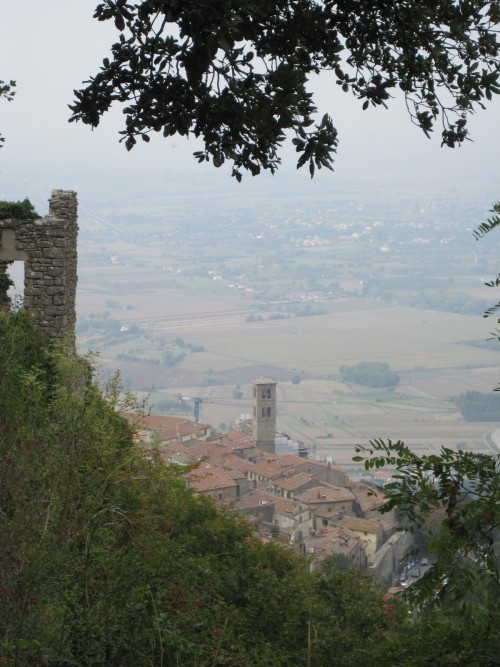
(107, 559)
(7, 92)
(454, 498)
(235, 72)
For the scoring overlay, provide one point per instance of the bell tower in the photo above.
(264, 414)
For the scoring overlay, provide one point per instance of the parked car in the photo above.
(416, 573)
(424, 561)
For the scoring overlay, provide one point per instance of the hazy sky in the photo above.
(51, 46)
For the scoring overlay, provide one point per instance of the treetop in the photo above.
(236, 72)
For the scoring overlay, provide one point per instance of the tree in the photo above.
(235, 72)
(484, 228)
(108, 559)
(7, 92)
(457, 598)
(370, 374)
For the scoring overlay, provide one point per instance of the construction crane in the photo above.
(197, 400)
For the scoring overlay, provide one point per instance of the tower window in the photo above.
(268, 412)
(268, 393)
(263, 412)
(263, 393)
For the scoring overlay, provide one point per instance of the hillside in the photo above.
(106, 558)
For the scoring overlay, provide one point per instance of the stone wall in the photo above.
(390, 556)
(48, 248)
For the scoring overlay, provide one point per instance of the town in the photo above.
(312, 505)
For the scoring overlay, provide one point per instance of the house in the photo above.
(326, 502)
(370, 531)
(167, 429)
(368, 502)
(290, 486)
(240, 443)
(337, 541)
(213, 482)
(324, 472)
(290, 518)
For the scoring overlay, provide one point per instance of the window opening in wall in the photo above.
(263, 393)
(268, 393)
(15, 271)
(268, 412)
(263, 412)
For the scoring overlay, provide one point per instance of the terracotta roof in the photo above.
(292, 483)
(269, 470)
(207, 478)
(325, 494)
(368, 497)
(167, 428)
(202, 450)
(257, 498)
(322, 464)
(292, 460)
(241, 439)
(331, 541)
(363, 525)
(230, 461)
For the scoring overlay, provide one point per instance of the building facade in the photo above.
(264, 414)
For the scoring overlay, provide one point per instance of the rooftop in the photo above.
(168, 428)
(207, 478)
(325, 494)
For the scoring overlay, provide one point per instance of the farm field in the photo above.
(194, 299)
(425, 348)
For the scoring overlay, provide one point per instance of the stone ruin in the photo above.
(48, 248)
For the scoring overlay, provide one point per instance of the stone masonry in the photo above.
(48, 248)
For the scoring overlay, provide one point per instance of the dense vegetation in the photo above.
(370, 374)
(478, 407)
(456, 497)
(106, 558)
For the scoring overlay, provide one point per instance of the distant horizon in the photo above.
(377, 148)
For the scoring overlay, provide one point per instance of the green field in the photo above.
(425, 347)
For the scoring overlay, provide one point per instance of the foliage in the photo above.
(346, 599)
(478, 407)
(16, 210)
(236, 73)
(483, 229)
(106, 558)
(370, 374)
(459, 594)
(7, 92)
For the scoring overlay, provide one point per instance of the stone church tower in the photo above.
(264, 414)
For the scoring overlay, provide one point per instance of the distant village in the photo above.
(311, 505)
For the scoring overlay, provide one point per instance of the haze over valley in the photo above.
(195, 296)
